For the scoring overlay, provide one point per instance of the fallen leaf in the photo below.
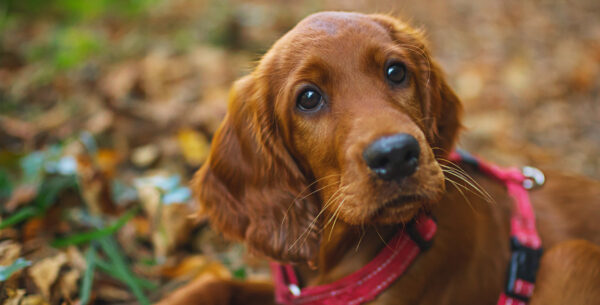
(18, 128)
(173, 228)
(75, 258)
(68, 283)
(107, 160)
(34, 300)
(119, 80)
(112, 294)
(21, 195)
(145, 156)
(45, 272)
(32, 228)
(100, 122)
(9, 252)
(190, 265)
(194, 146)
(14, 297)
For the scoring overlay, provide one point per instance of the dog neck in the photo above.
(472, 236)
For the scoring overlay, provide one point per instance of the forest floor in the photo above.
(107, 108)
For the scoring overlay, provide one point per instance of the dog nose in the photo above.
(393, 157)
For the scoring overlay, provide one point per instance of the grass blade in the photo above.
(88, 276)
(19, 216)
(110, 247)
(106, 267)
(47, 195)
(96, 234)
(7, 271)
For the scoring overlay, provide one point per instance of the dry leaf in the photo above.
(76, 258)
(119, 81)
(9, 252)
(189, 266)
(173, 228)
(32, 228)
(100, 122)
(68, 283)
(145, 156)
(107, 160)
(22, 194)
(14, 297)
(45, 272)
(112, 294)
(34, 300)
(194, 146)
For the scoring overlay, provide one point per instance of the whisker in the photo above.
(460, 173)
(468, 177)
(462, 193)
(381, 237)
(362, 228)
(481, 194)
(335, 216)
(296, 198)
(312, 223)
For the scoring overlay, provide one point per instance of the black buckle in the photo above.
(467, 158)
(524, 264)
(413, 233)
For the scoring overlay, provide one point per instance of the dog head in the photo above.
(343, 118)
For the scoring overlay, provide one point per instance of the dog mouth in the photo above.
(402, 200)
(403, 204)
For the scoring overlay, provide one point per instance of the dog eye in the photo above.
(396, 73)
(309, 99)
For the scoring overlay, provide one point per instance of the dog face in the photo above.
(342, 119)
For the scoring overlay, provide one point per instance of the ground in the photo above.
(108, 107)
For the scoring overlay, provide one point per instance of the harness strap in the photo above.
(366, 283)
(369, 281)
(526, 245)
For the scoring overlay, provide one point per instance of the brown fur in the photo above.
(569, 274)
(294, 187)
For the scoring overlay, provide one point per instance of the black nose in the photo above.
(393, 157)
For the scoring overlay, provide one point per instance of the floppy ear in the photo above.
(250, 185)
(442, 108)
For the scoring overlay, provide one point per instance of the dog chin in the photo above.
(398, 214)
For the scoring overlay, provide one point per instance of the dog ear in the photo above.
(441, 107)
(251, 187)
(444, 109)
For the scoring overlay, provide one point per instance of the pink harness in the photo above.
(369, 281)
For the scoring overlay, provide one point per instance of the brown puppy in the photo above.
(296, 172)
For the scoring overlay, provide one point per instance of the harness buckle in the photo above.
(294, 289)
(416, 237)
(522, 269)
(534, 177)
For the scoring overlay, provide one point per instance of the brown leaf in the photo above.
(45, 272)
(145, 156)
(18, 128)
(173, 228)
(32, 228)
(112, 294)
(14, 297)
(119, 81)
(107, 160)
(194, 146)
(22, 194)
(34, 300)
(68, 283)
(9, 252)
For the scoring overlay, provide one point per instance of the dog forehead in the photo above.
(334, 24)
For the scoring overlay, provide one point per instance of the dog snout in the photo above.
(393, 157)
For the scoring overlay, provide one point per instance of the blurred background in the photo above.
(107, 107)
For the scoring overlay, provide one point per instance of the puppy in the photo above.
(337, 140)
